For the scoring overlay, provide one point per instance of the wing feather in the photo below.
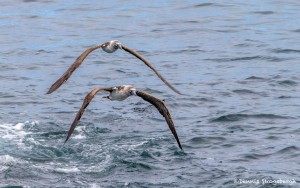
(163, 110)
(72, 68)
(131, 51)
(88, 98)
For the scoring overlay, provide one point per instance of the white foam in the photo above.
(18, 126)
(15, 132)
(79, 136)
(67, 170)
(99, 167)
(56, 167)
(131, 147)
(10, 132)
(94, 185)
(6, 161)
(81, 131)
(134, 146)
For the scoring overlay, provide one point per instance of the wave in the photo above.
(286, 51)
(204, 5)
(249, 58)
(289, 150)
(14, 131)
(247, 91)
(207, 140)
(66, 170)
(6, 161)
(263, 12)
(255, 78)
(287, 83)
(238, 117)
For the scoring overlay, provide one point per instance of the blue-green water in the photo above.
(238, 63)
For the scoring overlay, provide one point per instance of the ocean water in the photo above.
(237, 62)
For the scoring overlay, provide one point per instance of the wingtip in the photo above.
(66, 141)
(180, 146)
(176, 91)
(51, 89)
(183, 94)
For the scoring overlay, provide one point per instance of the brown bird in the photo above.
(121, 93)
(108, 47)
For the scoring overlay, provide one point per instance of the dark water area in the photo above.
(237, 62)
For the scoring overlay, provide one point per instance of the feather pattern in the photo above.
(163, 110)
(151, 67)
(71, 69)
(89, 97)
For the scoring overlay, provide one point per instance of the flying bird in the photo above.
(121, 93)
(108, 47)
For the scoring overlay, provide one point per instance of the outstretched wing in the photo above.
(161, 107)
(72, 68)
(86, 102)
(151, 67)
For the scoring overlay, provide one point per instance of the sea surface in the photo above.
(237, 62)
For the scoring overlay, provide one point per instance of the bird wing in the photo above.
(151, 67)
(72, 68)
(86, 102)
(161, 107)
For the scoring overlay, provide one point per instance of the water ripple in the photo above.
(237, 63)
(239, 117)
(288, 83)
(290, 150)
(286, 51)
(264, 12)
(247, 91)
(250, 58)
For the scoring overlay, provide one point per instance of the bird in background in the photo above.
(108, 47)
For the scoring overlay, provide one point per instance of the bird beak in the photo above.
(119, 45)
(133, 92)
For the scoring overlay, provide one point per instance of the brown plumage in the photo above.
(108, 47)
(163, 110)
(71, 69)
(121, 93)
(151, 67)
(86, 102)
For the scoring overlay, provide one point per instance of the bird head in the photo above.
(132, 91)
(116, 44)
